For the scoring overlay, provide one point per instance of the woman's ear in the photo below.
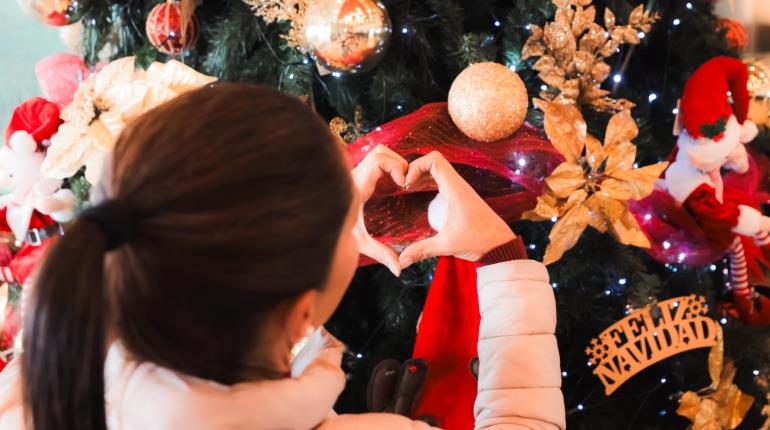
(300, 317)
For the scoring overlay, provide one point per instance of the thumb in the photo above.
(419, 251)
(382, 254)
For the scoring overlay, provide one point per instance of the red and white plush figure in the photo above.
(23, 188)
(714, 130)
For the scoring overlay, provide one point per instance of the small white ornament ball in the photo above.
(438, 212)
(488, 101)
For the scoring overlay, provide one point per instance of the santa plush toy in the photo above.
(713, 129)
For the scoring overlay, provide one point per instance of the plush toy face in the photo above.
(708, 155)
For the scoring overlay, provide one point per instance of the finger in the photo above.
(372, 170)
(435, 165)
(419, 251)
(381, 253)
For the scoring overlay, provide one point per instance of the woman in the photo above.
(231, 232)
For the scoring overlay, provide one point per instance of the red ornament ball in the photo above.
(736, 35)
(164, 29)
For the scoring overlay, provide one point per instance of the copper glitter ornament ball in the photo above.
(488, 101)
(349, 36)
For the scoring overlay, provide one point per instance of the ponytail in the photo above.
(64, 334)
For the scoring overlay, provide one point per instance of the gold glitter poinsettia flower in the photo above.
(592, 186)
(572, 50)
(722, 405)
(102, 106)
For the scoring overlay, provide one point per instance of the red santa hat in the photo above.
(705, 105)
(36, 116)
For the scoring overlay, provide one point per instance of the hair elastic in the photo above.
(115, 220)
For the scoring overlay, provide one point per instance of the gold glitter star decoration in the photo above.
(272, 11)
(720, 406)
(592, 186)
(572, 50)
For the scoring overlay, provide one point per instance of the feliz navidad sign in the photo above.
(649, 335)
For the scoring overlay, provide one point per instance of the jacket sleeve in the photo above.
(519, 374)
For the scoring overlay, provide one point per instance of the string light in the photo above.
(404, 30)
(622, 281)
(713, 267)
(647, 217)
(641, 35)
(399, 107)
(522, 162)
(531, 246)
(682, 256)
(589, 364)
(755, 372)
(554, 285)
(512, 67)
(378, 128)
(663, 380)
(677, 21)
(666, 244)
(337, 74)
(689, 5)
(564, 373)
(359, 356)
(662, 412)
(676, 304)
(607, 292)
(291, 76)
(617, 78)
(636, 165)
(580, 407)
(723, 320)
(652, 97)
(528, 27)
(543, 87)
(554, 219)
(724, 272)
(497, 23)
(675, 111)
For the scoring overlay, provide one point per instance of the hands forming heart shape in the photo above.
(471, 230)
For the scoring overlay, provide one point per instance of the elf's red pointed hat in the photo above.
(705, 104)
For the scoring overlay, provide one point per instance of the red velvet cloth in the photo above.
(37, 116)
(447, 336)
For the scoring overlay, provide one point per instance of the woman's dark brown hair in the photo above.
(233, 196)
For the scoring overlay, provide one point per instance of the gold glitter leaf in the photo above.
(620, 157)
(609, 18)
(544, 210)
(565, 233)
(583, 19)
(594, 152)
(565, 127)
(565, 179)
(621, 127)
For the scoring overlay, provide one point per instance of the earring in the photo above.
(297, 347)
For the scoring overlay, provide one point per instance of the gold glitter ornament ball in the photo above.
(488, 101)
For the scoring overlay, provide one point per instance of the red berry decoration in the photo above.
(164, 28)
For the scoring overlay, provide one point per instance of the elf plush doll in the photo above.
(714, 130)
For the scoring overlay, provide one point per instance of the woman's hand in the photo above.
(378, 162)
(472, 228)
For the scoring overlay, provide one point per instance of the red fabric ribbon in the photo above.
(508, 173)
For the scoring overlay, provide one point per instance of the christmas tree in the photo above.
(420, 47)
